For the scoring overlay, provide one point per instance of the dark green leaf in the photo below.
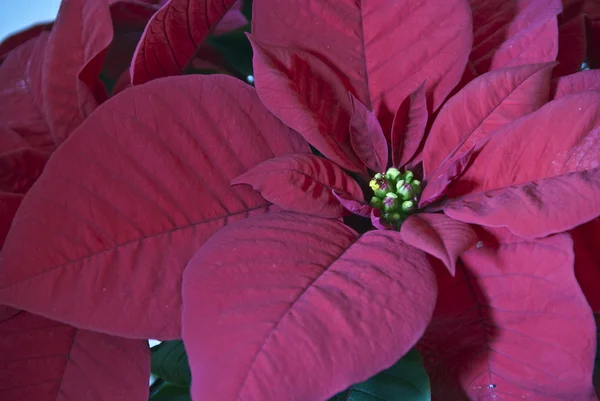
(405, 381)
(171, 392)
(170, 363)
(235, 49)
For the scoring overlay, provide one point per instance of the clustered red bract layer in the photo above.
(189, 206)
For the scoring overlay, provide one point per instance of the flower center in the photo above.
(396, 195)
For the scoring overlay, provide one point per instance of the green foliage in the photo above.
(235, 49)
(170, 363)
(405, 381)
(172, 392)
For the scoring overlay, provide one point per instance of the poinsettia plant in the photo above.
(414, 176)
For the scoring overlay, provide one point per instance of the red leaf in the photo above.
(377, 220)
(302, 183)
(43, 360)
(438, 235)
(122, 83)
(449, 171)
(511, 33)
(72, 60)
(594, 35)
(129, 198)
(366, 137)
(129, 21)
(302, 298)
(20, 168)
(537, 176)
(173, 35)
(21, 94)
(484, 105)
(10, 139)
(232, 20)
(586, 243)
(17, 39)
(304, 93)
(385, 48)
(6, 312)
(512, 324)
(576, 83)
(352, 205)
(408, 128)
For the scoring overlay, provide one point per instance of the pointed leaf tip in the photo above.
(308, 96)
(366, 136)
(173, 35)
(439, 236)
(302, 183)
(487, 103)
(408, 127)
(551, 185)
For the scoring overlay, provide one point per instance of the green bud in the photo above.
(392, 174)
(416, 186)
(406, 192)
(376, 202)
(396, 195)
(394, 217)
(390, 202)
(408, 206)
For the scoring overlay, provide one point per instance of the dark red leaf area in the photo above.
(512, 325)
(10, 140)
(586, 240)
(9, 203)
(129, 20)
(579, 30)
(42, 360)
(572, 46)
(20, 168)
(124, 204)
(6, 312)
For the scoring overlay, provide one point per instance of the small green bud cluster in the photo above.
(396, 194)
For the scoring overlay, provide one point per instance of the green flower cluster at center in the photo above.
(396, 194)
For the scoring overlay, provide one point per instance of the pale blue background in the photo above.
(16, 15)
